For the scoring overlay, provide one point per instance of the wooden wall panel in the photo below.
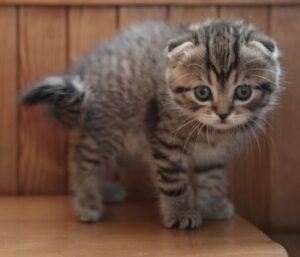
(255, 15)
(191, 14)
(8, 101)
(285, 168)
(249, 172)
(88, 26)
(42, 166)
(147, 2)
(131, 15)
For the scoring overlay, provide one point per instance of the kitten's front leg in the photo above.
(211, 188)
(175, 192)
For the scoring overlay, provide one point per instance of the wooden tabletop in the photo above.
(46, 226)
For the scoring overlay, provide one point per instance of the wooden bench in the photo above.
(46, 226)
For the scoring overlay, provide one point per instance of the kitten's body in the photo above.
(121, 93)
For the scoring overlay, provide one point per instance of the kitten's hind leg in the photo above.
(93, 159)
(210, 192)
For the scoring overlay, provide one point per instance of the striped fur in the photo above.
(63, 94)
(137, 98)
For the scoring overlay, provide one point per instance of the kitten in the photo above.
(189, 96)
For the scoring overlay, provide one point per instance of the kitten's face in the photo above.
(224, 81)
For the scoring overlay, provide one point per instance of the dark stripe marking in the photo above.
(168, 145)
(89, 160)
(265, 88)
(180, 90)
(87, 148)
(207, 168)
(172, 170)
(166, 179)
(174, 192)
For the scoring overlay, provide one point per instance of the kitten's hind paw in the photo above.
(88, 212)
(217, 209)
(188, 219)
(113, 192)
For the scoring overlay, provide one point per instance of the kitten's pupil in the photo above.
(243, 92)
(203, 93)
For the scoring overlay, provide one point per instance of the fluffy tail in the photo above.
(63, 94)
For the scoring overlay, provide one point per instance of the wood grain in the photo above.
(191, 14)
(285, 178)
(48, 227)
(42, 140)
(249, 173)
(88, 26)
(148, 2)
(131, 15)
(8, 101)
(256, 15)
(291, 243)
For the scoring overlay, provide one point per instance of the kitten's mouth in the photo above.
(222, 126)
(227, 125)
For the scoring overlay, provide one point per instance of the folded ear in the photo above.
(265, 44)
(180, 50)
(179, 47)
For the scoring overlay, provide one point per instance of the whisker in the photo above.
(258, 69)
(273, 82)
(197, 65)
(188, 121)
(266, 133)
(257, 143)
(200, 130)
(251, 61)
(186, 74)
(208, 138)
(192, 131)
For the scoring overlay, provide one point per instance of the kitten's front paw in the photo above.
(186, 219)
(217, 209)
(89, 212)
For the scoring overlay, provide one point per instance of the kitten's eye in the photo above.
(243, 92)
(203, 93)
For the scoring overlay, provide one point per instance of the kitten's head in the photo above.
(224, 73)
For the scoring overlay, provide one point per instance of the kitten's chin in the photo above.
(222, 126)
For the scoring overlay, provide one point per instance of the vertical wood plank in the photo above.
(256, 15)
(191, 14)
(42, 140)
(137, 179)
(130, 15)
(285, 178)
(8, 101)
(88, 26)
(249, 172)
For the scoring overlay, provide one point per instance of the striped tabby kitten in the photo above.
(187, 97)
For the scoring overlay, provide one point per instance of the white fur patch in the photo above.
(54, 81)
(77, 83)
(57, 80)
